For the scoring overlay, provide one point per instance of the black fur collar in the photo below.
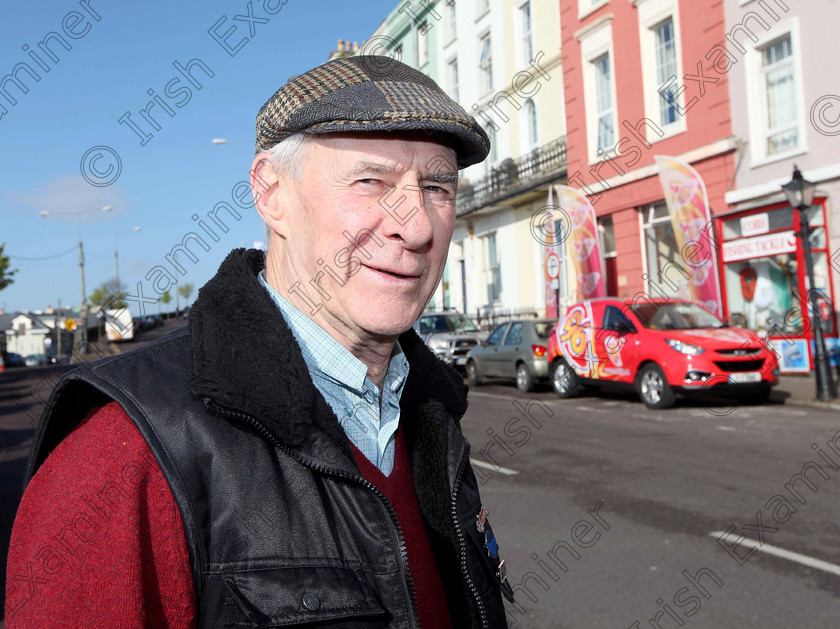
(245, 358)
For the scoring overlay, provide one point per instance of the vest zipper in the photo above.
(269, 436)
(463, 541)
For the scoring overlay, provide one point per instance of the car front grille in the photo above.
(739, 351)
(463, 347)
(740, 365)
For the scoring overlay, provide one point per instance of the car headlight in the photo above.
(438, 344)
(685, 348)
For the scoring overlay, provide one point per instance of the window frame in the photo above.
(595, 41)
(652, 13)
(485, 68)
(524, 39)
(757, 93)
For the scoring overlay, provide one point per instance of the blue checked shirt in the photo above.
(369, 420)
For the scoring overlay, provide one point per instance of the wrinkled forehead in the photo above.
(388, 152)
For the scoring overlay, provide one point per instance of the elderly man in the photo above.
(294, 457)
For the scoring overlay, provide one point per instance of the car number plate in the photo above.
(461, 360)
(748, 376)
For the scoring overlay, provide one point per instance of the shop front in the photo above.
(765, 283)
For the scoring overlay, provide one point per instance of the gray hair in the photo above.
(287, 158)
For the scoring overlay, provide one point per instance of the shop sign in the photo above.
(759, 246)
(755, 224)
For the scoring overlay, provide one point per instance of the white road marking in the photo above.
(726, 428)
(805, 560)
(593, 410)
(487, 466)
(509, 398)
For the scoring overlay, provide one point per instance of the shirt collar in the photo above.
(325, 356)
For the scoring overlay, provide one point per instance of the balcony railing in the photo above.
(514, 176)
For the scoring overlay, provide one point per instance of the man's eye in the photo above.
(435, 189)
(370, 181)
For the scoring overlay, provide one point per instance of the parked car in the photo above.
(660, 347)
(15, 360)
(57, 360)
(516, 349)
(149, 322)
(450, 335)
(138, 325)
(33, 360)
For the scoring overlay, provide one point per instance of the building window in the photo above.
(666, 67)
(398, 52)
(526, 34)
(531, 120)
(604, 102)
(453, 24)
(607, 236)
(422, 43)
(493, 156)
(485, 64)
(494, 270)
(453, 79)
(666, 275)
(779, 82)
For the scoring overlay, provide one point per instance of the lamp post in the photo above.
(800, 194)
(83, 328)
(136, 228)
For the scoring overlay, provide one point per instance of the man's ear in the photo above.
(266, 187)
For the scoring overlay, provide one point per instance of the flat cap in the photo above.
(369, 93)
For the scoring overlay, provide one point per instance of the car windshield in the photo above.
(543, 328)
(675, 316)
(446, 323)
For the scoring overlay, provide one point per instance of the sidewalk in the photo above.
(802, 390)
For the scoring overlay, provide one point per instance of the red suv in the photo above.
(661, 347)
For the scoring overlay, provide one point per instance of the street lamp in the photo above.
(83, 328)
(800, 194)
(136, 228)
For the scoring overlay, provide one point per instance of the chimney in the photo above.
(340, 45)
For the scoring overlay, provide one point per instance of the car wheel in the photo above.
(653, 388)
(565, 382)
(473, 377)
(524, 379)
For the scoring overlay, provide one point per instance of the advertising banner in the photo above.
(688, 205)
(550, 259)
(582, 245)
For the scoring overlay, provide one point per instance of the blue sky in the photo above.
(108, 71)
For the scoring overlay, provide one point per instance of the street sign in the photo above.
(69, 324)
(552, 266)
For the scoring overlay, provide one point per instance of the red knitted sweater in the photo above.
(98, 540)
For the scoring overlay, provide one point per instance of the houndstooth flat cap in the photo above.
(369, 93)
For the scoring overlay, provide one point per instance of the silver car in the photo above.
(516, 349)
(450, 335)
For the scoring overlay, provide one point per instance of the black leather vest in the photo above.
(282, 529)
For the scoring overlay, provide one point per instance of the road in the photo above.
(605, 511)
(663, 485)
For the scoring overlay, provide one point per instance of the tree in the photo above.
(185, 291)
(5, 272)
(109, 295)
(165, 298)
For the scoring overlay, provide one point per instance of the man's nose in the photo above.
(407, 216)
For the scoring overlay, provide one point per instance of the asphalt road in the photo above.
(663, 485)
(606, 512)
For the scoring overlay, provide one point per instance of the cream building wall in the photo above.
(517, 76)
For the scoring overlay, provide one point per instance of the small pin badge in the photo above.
(502, 571)
(481, 519)
(491, 544)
